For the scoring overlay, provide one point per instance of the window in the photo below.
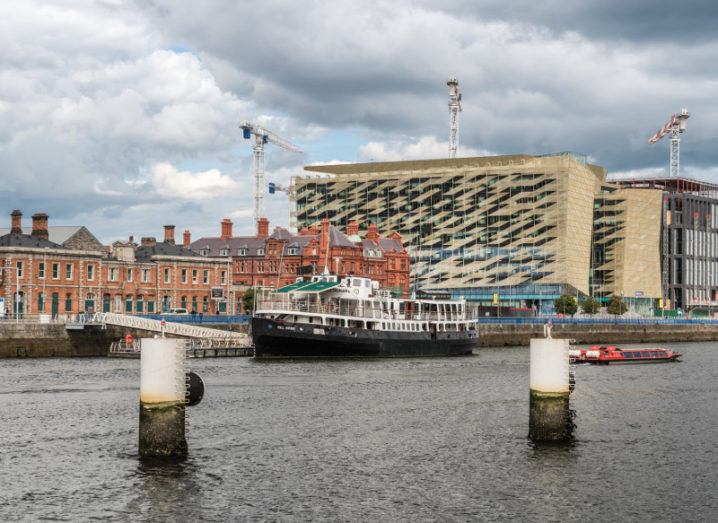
(223, 277)
(194, 275)
(41, 271)
(68, 271)
(19, 269)
(145, 275)
(260, 252)
(223, 252)
(184, 275)
(205, 276)
(243, 251)
(90, 272)
(129, 274)
(292, 251)
(167, 275)
(204, 252)
(113, 274)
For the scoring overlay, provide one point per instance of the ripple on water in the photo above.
(385, 440)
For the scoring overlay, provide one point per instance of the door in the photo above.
(106, 303)
(90, 304)
(55, 304)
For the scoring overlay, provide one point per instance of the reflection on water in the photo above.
(380, 440)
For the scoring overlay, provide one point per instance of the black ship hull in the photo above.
(274, 339)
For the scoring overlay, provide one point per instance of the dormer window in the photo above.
(204, 252)
(223, 252)
(260, 252)
(292, 251)
(243, 251)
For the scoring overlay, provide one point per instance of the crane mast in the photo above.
(262, 136)
(675, 126)
(454, 108)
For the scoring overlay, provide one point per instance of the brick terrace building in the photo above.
(276, 260)
(76, 273)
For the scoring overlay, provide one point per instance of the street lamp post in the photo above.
(17, 290)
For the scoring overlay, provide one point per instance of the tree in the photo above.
(590, 305)
(248, 301)
(616, 306)
(565, 304)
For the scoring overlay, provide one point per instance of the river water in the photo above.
(373, 440)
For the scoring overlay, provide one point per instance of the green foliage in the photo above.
(616, 306)
(565, 304)
(590, 306)
(248, 301)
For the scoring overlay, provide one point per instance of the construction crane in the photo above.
(262, 136)
(454, 108)
(675, 126)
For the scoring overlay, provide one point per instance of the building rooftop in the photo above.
(416, 165)
(25, 240)
(680, 184)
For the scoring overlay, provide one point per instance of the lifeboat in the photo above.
(605, 354)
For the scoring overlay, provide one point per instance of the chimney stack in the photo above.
(148, 241)
(353, 229)
(372, 234)
(186, 239)
(39, 226)
(227, 229)
(263, 228)
(16, 222)
(170, 234)
(324, 235)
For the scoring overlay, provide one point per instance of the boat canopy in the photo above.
(308, 286)
(294, 286)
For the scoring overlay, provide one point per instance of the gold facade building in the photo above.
(516, 229)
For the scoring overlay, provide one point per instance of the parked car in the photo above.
(177, 311)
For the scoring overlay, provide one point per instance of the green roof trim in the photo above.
(294, 286)
(320, 286)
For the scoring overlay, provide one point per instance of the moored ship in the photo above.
(328, 318)
(610, 354)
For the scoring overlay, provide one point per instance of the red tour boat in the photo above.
(603, 355)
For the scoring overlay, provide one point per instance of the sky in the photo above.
(123, 115)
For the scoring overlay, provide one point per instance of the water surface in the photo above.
(363, 440)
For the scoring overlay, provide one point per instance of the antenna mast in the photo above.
(454, 108)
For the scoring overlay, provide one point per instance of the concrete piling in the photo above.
(162, 398)
(550, 417)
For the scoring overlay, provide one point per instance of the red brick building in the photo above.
(66, 270)
(274, 260)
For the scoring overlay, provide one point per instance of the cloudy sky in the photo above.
(122, 115)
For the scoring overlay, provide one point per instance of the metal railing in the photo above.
(353, 309)
(178, 329)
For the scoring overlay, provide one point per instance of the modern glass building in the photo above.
(512, 231)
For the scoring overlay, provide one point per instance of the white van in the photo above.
(177, 311)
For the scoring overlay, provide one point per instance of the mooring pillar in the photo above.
(162, 398)
(549, 417)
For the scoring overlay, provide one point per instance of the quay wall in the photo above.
(33, 340)
(38, 340)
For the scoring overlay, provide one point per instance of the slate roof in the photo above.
(25, 240)
(145, 253)
(58, 234)
(337, 238)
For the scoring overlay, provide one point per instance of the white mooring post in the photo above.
(162, 398)
(549, 416)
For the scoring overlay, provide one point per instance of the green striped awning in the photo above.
(308, 286)
(294, 286)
